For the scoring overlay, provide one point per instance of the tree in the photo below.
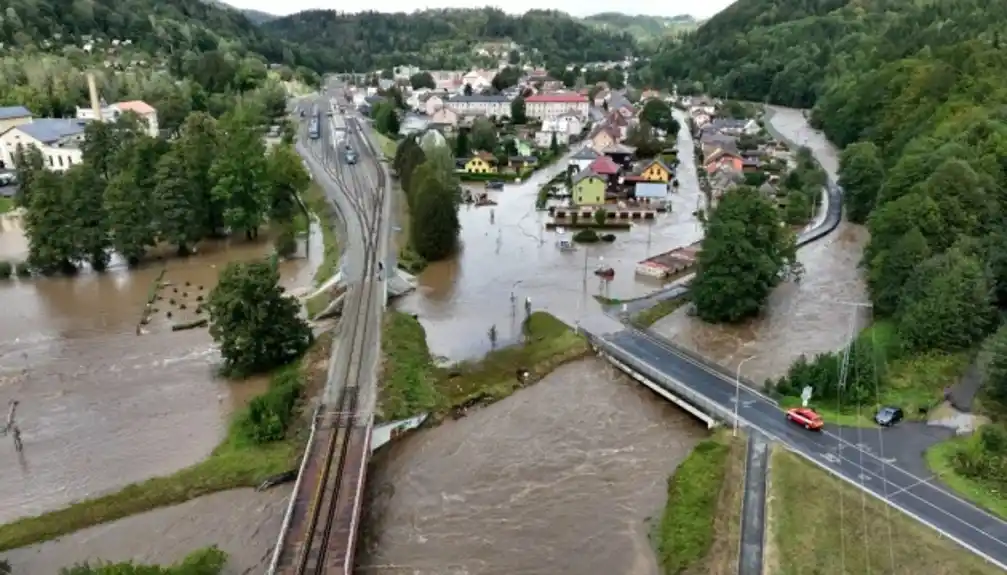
(994, 366)
(435, 212)
(554, 144)
(49, 225)
(386, 119)
(256, 324)
(176, 204)
(658, 114)
(239, 173)
(946, 305)
(408, 157)
(89, 222)
(744, 255)
(506, 78)
(467, 90)
(27, 162)
(462, 146)
(422, 80)
(196, 150)
(513, 58)
(860, 175)
(483, 135)
(518, 111)
(891, 269)
(286, 178)
(642, 137)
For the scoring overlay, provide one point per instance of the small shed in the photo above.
(651, 192)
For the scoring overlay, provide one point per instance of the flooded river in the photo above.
(100, 406)
(559, 478)
(806, 318)
(506, 250)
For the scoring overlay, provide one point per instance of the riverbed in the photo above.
(101, 406)
(809, 317)
(507, 252)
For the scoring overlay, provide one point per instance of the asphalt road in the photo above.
(860, 456)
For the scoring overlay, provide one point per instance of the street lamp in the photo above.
(737, 393)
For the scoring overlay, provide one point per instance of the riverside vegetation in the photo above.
(265, 438)
(412, 384)
(914, 93)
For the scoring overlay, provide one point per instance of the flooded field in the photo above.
(100, 406)
(559, 478)
(806, 318)
(243, 523)
(506, 250)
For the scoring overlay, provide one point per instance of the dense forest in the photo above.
(647, 30)
(914, 93)
(443, 39)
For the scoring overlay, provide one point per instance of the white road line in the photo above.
(910, 486)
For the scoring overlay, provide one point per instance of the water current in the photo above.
(100, 406)
(800, 318)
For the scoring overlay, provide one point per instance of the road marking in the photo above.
(910, 486)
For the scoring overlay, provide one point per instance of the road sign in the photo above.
(806, 395)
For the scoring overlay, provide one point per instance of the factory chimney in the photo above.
(93, 90)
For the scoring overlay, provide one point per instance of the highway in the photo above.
(320, 529)
(839, 450)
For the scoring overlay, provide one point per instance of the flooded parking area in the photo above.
(559, 478)
(100, 406)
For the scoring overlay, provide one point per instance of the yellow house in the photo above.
(481, 163)
(656, 171)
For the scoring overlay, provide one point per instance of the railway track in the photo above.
(318, 553)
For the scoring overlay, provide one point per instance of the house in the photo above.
(620, 154)
(447, 80)
(11, 116)
(722, 159)
(735, 127)
(605, 137)
(517, 163)
(479, 79)
(478, 104)
(111, 113)
(709, 137)
(58, 139)
(589, 188)
(432, 104)
(546, 106)
(604, 166)
(445, 117)
(600, 98)
(583, 158)
(481, 163)
(544, 138)
(651, 192)
(412, 122)
(655, 171)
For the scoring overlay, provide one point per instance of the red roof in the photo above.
(563, 98)
(605, 166)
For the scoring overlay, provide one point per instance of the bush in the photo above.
(6, 269)
(588, 236)
(608, 238)
(23, 269)
(285, 241)
(209, 561)
(983, 457)
(268, 416)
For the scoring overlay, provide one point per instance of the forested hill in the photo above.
(443, 38)
(645, 29)
(156, 26)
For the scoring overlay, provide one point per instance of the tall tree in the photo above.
(860, 175)
(435, 211)
(745, 254)
(27, 162)
(84, 189)
(49, 225)
(239, 173)
(286, 178)
(176, 204)
(256, 324)
(518, 111)
(196, 149)
(484, 135)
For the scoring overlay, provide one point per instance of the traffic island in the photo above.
(411, 384)
(700, 528)
(817, 523)
(245, 458)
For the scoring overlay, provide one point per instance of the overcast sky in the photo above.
(697, 8)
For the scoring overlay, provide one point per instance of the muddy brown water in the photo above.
(506, 250)
(806, 318)
(559, 478)
(101, 407)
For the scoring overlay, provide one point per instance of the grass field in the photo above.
(6, 204)
(658, 311)
(234, 463)
(388, 146)
(818, 524)
(700, 528)
(412, 384)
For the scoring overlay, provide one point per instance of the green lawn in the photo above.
(651, 315)
(6, 205)
(939, 460)
(388, 145)
(234, 463)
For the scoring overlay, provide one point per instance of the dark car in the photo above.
(888, 416)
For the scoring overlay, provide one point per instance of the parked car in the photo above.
(888, 416)
(807, 417)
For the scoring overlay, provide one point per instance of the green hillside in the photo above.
(645, 29)
(443, 38)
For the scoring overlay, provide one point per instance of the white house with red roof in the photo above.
(550, 106)
(111, 113)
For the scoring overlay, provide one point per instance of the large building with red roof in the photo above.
(553, 105)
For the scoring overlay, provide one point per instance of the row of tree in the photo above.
(132, 191)
(427, 176)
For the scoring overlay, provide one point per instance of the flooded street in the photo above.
(506, 249)
(100, 406)
(806, 318)
(559, 478)
(243, 523)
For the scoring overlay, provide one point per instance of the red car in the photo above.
(806, 417)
